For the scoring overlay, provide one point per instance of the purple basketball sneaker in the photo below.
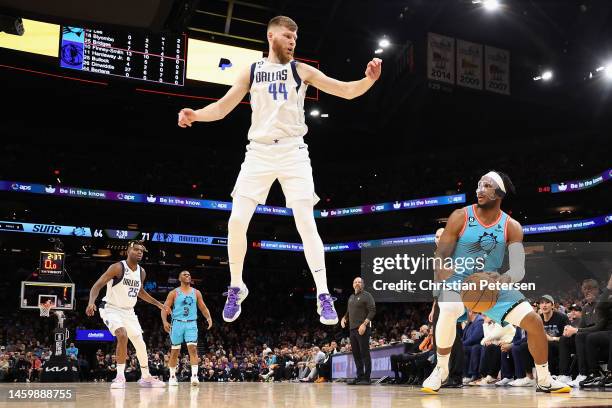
(235, 296)
(325, 308)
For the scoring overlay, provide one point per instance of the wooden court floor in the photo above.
(291, 395)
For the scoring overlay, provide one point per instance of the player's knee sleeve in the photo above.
(516, 315)
(141, 350)
(446, 325)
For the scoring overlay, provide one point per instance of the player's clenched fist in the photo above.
(373, 69)
(186, 117)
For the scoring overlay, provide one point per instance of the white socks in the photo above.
(172, 372)
(121, 370)
(144, 372)
(194, 370)
(542, 373)
(443, 361)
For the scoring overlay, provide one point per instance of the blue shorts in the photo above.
(506, 301)
(183, 332)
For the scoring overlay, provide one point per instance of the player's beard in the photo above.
(281, 52)
(487, 205)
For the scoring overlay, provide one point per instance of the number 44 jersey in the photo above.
(277, 101)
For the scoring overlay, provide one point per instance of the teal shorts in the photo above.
(183, 332)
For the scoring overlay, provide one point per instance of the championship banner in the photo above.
(497, 70)
(441, 58)
(469, 64)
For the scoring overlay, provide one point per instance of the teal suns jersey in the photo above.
(185, 305)
(484, 244)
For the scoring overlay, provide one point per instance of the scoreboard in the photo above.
(51, 265)
(149, 57)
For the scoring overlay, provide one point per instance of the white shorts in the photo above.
(115, 317)
(288, 161)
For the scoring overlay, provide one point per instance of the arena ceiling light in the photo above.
(315, 113)
(545, 76)
(378, 51)
(489, 5)
(384, 42)
(608, 72)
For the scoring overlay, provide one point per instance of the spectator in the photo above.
(419, 365)
(575, 337)
(523, 362)
(554, 323)
(156, 366)
(507, 360)
(111, 369)
(4, 367)
(83, 369)
(72, 351)
(23, 369)
(100, 371)
(472, 335)
(596, 342)
(490, 361)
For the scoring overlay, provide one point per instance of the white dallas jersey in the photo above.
(277, 101)
(123, 290)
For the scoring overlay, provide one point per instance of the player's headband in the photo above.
(500, 188)
(497, 179)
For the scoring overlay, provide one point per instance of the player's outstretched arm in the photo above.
(144, 295)
(113, 271)
(203, 308)
(218, 110)
(347, 90)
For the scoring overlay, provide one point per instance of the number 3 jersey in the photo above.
(123, 290)
(184, 307)
(277, 102)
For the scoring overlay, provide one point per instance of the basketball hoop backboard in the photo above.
(57, 296)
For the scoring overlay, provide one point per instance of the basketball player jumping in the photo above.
(124, 284)
(184, 328)
(483, 231)
(277, 85)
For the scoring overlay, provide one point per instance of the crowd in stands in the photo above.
(257, 348)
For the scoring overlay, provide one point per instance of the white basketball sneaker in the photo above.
(172, 381)
(433, 383)
(118, 382)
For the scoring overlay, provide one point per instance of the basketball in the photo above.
(479, 300)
